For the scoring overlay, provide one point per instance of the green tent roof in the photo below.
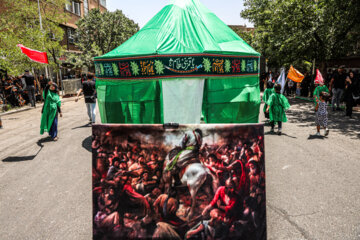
(183, 27)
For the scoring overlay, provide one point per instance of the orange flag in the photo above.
(295, 75)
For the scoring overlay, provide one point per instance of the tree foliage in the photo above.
(99, 33)
(298, 31)
(248, 37)
(19, 24)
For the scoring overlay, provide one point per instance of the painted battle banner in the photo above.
(178, 182)
(173, 66)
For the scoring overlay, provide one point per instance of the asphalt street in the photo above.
(313, 183)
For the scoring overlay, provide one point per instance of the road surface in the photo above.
(313, 184)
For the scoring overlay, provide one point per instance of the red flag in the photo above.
(34, 55)
(319, 79)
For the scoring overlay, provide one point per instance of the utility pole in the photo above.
(41, 29)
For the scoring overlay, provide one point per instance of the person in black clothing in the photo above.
(8, 84)
(30, 87)
(348, 94)
(10, 92)
(328, 77)
(305, 85)
(90, 96)
(355, 87)
(43, 83)
(83, 78)
(337, 85)
(17, 83)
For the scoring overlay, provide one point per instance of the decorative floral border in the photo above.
(172, 66)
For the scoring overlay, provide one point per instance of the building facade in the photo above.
(76, 9)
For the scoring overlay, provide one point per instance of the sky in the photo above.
(141, 11)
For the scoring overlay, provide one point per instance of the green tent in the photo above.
(184, 63)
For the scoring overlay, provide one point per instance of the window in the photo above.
(71, 35)
(76, 8)
(51, 36)
(103, 3)
(73, 7)
(86, 7)
(68, 7)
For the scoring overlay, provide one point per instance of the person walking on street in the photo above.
(45, 93)
(348, 96)
(321, 113)
(46, 89)
(88, 87)
(355, 82)
(30, 87)
(277, 105)
(49, 117)
(318, 90)
(337, 85)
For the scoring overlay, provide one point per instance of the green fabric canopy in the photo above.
(183, 27)
(184, 40)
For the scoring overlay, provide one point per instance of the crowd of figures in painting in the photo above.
(187, 183)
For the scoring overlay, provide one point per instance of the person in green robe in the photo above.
(267, 93)
(320, 88)
(277, 105)
(49, 117)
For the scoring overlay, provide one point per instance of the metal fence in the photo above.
(71, 86)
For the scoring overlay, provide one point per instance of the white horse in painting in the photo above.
(194, 176)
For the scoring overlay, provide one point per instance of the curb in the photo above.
(23, 109)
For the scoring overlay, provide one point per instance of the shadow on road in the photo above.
(43, 140)
(311, 137)
(284, 134)
(19, 159)
(275, 133)
(303, 115)
(31, 157)
(86, 143)
(83, 126)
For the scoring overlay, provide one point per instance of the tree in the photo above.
(298, 31)
(19, 24)
(248, 37)
(99, 33)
